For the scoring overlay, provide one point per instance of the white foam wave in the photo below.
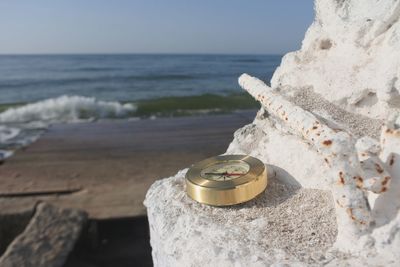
(7, 133)
(66, 109)
(5, 154)
(20, 126)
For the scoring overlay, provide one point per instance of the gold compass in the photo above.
(226, 180)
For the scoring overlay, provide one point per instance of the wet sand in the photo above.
(106, 168)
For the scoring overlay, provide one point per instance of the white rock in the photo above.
(270, 229)
(353, 169)
(350, 55)
(344, 198)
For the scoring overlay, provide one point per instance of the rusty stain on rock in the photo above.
(391, 162)
(386, 180)
(327, 142)
(341, 178)
(378, 168)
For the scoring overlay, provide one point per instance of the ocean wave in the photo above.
(162, 77)
(19, 126)
(7, 133)
(93, 69)
(5, 154)
(66, 109)
(247, 60)
(18, 83)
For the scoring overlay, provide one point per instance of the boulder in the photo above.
(350, 56)
(329, 128)
(47, 240)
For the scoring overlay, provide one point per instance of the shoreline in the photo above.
(90, 160)
(21, 124)
(171, 106)
(105, 167)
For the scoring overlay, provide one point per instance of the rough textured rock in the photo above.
(12, 223)
(271, 228)
(47, 240)
(361, 174)
(329, 126)
(350, 56)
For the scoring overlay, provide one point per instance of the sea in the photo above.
(38, 90)
(29, 78)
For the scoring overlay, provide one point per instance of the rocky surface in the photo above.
(329, 127)
(284, 220)
(350, 56)
(13, 221)
(318, 152)
(47, 240)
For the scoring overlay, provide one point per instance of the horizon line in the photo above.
(139, 53)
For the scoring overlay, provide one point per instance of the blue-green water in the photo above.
(37, 91)
(126, 77)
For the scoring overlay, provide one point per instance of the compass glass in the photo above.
(225, 171)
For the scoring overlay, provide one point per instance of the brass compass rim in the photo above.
(230, 192)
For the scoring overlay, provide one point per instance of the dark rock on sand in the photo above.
(48, 238)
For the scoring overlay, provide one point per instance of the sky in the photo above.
(153, 26)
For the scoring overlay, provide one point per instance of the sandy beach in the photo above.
(106, 167)
(193, 133)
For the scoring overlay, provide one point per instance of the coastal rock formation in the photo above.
(329, 127)
(360, 172)
(47, 240)
(350, 56)
(269, 229)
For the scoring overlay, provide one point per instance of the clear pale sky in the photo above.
(153, 26)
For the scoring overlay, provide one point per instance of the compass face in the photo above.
(226, 170)
(226, 180)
